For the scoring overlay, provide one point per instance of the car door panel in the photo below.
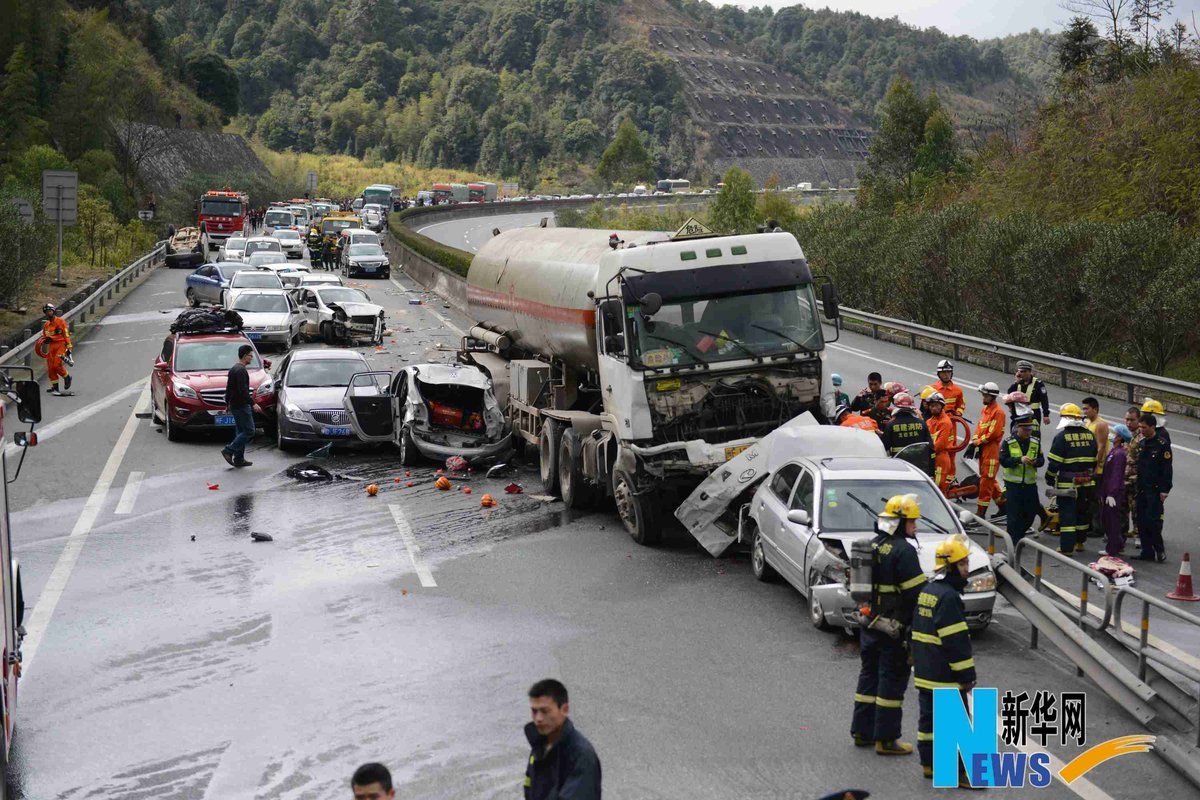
(771, 514)
(369, 402)
(795, 538)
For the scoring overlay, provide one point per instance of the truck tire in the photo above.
(577, 492)
(548, 443)
(638, 512)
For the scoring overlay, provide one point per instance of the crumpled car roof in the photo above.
(452, 374)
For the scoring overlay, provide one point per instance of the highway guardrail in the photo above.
(78, 313)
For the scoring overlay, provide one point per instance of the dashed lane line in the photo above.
(43, 610)
(414, 550)
(128, 497)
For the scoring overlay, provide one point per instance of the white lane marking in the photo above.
(1081, 786)
(860, 354)
(45, 605)
(80, 415)
(129, 496)
(143, 408)
(410, 544)
(430, 309)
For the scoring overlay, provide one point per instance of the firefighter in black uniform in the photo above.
(897, 581)
(941, 647)
(1069, 465)
(906, 428)
(1155, 474)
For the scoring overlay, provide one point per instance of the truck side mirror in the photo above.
(829, 300)
(651, 303)
(29, 401)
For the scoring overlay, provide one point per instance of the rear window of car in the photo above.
(262, 246)
(279, 218)
(287, 234)
(366, 250)
(235, 243)
(256, 279)
(210, 356)
(266, 303)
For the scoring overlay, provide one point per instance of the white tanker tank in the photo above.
(536, 286)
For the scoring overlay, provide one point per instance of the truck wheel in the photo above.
(637, 511)
(758, 560)
(408, 448)
(576, 491)
(548, 443)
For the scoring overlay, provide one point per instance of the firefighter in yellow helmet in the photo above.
(941, 647)
(1152, 406)
(1070, 465)
(883, 676)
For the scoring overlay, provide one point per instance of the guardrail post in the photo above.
(874, 331)
(912, 339)
(1143, 637)
(1037, 587)
(1129, 390)
(1007, 365)
(1062, 373)
(957, 357)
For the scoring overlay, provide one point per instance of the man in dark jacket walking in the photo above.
(240, 404)
(563, 765)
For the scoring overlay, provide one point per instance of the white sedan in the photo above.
(269, 316)
(291, 243)
(339, 314)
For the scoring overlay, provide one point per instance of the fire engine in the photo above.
(222, 214)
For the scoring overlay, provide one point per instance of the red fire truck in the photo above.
(222, 214)
(26, 402)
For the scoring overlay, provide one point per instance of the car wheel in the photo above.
(637, 512)
(327, 332)
(758, 560)
(283, 444)
(816, 614)
(295, 339)
(548, 443)
(576, 491)
(191, 298)
(174, 432)
(409, 454)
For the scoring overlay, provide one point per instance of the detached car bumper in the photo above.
(842, 611)
(441, 450)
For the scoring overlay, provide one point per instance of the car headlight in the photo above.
(982, 583)
(265, 389)
(294, 413)
(183, 390)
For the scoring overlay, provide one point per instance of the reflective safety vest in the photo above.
(1022, 473)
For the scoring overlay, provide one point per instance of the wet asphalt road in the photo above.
(221, 668)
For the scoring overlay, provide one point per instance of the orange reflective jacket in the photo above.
(954, 397)
(941, 429)
(860, 422)
(990, 428)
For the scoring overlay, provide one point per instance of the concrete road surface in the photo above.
(170, 656)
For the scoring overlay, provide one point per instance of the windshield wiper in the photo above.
(726, 338)
(939, 528)
(863, 503)
(783, 335)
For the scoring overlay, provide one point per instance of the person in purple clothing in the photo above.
(1114, 509)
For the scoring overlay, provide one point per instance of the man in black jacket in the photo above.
(240, 403)
(563, 765)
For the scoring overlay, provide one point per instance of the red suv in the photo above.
(187, 384)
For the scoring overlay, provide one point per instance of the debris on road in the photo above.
(372, 489)
(514, 488)
(256, 536)
(466, 490)
(487, 501)
(443, 483)
(322, 452)
(212, 487)
(309, 473)
(456, 464)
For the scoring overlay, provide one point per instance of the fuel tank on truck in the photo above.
(533, 284)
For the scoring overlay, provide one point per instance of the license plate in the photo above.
(223, 419)
(369, 269)
(254, 337)
(733, 452)
(336, 430)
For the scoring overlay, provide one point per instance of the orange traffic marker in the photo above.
(1183, 587)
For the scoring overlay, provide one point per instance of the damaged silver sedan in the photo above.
(801, 495)
(433, 411)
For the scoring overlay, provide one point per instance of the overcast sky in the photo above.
(982, 19)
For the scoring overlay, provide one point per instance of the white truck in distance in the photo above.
(638, 364)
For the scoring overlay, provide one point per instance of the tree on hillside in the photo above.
(1145, 14)
(733, 209)
(20, 125)
(1112, 14)
(626, 160)
(903, 115)
(214, 81)
(1078, 45)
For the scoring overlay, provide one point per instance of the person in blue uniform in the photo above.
(1155, 474)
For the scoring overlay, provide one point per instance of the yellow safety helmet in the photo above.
(926, 391)
(1152, 406)
(951, 550)
(902, 505)
(1070, 410)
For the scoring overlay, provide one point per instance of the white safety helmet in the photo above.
(945, 365)
(989, 388)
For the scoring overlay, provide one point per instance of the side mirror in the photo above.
(29, 401)
(266, 363)
(25, 439)
(966, 517)
(651, 303)
(799, 516)
(829, 300)
(161, 366)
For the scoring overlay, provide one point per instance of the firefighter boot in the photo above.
(66, 383)
(893, 748)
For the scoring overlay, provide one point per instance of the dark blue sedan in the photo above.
(207, 284)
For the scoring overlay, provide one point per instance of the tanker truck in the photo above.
(636, 363)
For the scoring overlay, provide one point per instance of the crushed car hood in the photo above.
(701, 513)
(358, 309)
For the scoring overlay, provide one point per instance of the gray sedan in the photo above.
(310, 385)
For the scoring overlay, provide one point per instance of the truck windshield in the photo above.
(223, 207)
(694, 330)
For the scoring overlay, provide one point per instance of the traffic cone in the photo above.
(1183, 587)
